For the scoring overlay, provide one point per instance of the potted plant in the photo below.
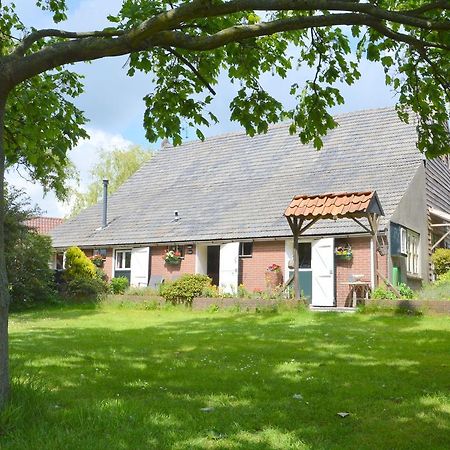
(273, 276)
(172, 257)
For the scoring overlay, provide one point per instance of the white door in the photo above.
(229, 267)
(201, 258)
(139, 266)
(322, 263)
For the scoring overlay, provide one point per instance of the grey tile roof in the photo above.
(235, 187)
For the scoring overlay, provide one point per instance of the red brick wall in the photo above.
(253, 269)
(108, 265)
(359, 264)
(159, 267)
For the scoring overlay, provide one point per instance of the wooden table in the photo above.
(359, 287)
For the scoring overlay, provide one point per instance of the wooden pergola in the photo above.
(305, 210)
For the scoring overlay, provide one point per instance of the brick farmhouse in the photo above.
(220, 204)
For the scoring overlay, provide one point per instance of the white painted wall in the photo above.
(229, 267)
(139, 266)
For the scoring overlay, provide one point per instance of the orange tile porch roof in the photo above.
(43, 225)
(334, 205)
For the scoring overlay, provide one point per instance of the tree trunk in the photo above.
(4, 293)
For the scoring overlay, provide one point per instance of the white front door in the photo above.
(322, 263)
(229, 267)
(139, 266)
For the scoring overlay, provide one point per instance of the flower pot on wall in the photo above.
(273, 279)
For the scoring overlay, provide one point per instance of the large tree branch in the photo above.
(242, 32)
(35, 36)
(90, 48)
(438, 5)
(207, 8)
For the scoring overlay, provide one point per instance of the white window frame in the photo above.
(123, 251)
(403, 241)
(242, 253)
(413, 254)
(55, 264)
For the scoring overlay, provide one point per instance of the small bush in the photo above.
(441, 260)
(405, 291)
(185, 288)
(211, 291)
(118, 285)
(78, 265)
(443, 279)
(86, 288)
(382, 292)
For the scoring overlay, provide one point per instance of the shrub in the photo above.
(211, 291)
(185, 288)
(405, 291)
(119, 285)
(31, 279)
(27, 253)
(382, 292)
(78, 265)
(441, 260)
(83, 278)
(86, 288)
(443, 279)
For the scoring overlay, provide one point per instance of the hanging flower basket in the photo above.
(344, 252)
(172, 257)
(97, 260)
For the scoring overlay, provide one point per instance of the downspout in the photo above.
(105, 203)
(373, 257)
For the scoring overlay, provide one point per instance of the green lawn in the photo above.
(136, 379)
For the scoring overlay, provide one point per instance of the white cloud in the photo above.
(85, 155)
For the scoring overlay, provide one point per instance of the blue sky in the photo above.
(113, 101)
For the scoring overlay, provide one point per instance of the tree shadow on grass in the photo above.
(146, 387)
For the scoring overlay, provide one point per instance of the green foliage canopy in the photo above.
(27, 253)
(185, 46)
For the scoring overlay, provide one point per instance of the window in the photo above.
(123, 259)
(59, 261)
(412, 260)
(403, 241)
(100, 251)
(245, 249)
(304, 255)
(177, 249)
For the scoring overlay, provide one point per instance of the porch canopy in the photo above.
(444, 219)
(305, 210)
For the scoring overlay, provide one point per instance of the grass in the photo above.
(128, 378)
